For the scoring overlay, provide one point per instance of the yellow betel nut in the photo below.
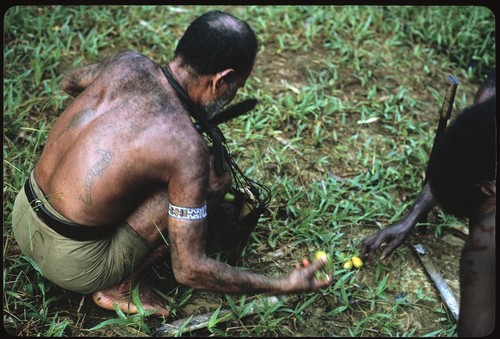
(347, 265)
(357, 262)
(321, 254)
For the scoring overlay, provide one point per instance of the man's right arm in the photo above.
(187, 239)
(397, 233)
(193, 268)
(76, 80)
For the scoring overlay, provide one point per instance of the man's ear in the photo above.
(488, 188)
(219, 82)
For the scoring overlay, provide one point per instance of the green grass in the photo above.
(348, 100)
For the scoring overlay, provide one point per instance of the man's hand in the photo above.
(393, 236)
(217, 185)
(303, 278)
(397, 233)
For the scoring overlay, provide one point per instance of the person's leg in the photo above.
(477, 280)
(120, 294)
(75, 265)
(148, 221)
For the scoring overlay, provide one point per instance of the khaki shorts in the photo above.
(79, 266)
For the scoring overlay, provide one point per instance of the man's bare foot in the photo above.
(106, 298)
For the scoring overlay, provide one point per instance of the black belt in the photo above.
(64, 228)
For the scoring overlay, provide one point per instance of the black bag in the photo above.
(230, 227)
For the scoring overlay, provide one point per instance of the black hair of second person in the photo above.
(216, 41)
(465, 156)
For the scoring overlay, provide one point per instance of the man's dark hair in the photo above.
(491, 79)
(217, 41)
(465, 156)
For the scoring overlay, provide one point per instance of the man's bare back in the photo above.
(116, 131)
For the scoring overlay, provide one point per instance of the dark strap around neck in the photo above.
(214, 133)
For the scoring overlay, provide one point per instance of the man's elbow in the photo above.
(69, 88)
(188, 275)
(183, 278)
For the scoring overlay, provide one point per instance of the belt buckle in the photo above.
(36, 204)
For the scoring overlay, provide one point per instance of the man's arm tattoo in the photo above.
(96, 170)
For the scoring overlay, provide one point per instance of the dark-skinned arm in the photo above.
(395, 235)
(193, 268)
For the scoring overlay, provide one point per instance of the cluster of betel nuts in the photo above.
(355, 261)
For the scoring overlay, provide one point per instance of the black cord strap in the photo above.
(222, 157)
(214, 133)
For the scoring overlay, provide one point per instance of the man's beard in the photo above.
(214, 107)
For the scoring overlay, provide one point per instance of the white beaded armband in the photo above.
(187, 213)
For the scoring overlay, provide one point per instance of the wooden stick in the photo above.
(201, 320)
(445, 111)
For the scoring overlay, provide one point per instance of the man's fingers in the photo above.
(327, 280)
(303, 263)
(368, 250)
(365, 250)
(395, 243)
(316, 265)
(365, 255)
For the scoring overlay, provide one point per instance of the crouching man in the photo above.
(125, 176)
